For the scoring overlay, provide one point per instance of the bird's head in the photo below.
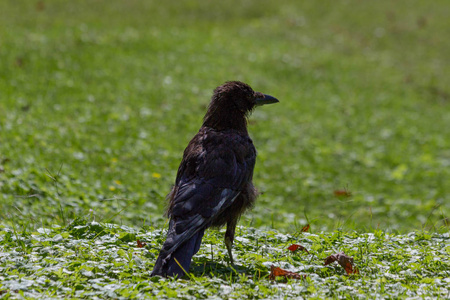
(231, 103)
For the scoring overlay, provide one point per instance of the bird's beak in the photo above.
(266, 99)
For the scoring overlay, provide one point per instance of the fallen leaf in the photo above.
(40, 5)
(295, 247)
(305, 228)
(342, 193)
(348, 267)
(344, 260)
(141, 244)
(277, 272)
(422, 22)
(330, 259)
(19, 62)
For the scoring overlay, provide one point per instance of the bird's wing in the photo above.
(208, 182)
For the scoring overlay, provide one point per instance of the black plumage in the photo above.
(214, 180)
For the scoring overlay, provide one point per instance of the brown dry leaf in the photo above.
(277, 272)
(295, 247)
(344, 260)
(342, 193)
(305, 228)
(330, 259)
(40, 5)
(348, 267)
(422, 22)
(141, 244)
(19, 62)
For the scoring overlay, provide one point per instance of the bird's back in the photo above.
(216, 160)
(213, 187)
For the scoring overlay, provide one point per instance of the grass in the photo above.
(89, 259)
(105, 97)
(99, 99)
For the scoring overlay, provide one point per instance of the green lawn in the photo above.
(107, 95)
(89, 260)
(99, 98)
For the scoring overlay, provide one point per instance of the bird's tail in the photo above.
(166, 265)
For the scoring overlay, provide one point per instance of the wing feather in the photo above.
(215, 169)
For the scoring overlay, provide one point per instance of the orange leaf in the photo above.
(40, 5)
(342, 193)
(277, 272)
(305, 228)
(344, 260)
(141, 244)
(348, 267)
(330, 259)
(295, 247)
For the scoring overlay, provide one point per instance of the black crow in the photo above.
(214, 180)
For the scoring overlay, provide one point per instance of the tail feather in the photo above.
(166, 265)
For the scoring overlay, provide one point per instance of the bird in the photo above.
(213, 186)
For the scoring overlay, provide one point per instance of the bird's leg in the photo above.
(229, 244)
(229, 237)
